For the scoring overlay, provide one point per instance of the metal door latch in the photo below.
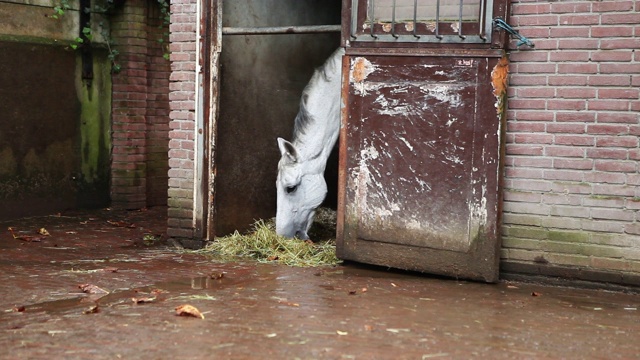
(501, 24)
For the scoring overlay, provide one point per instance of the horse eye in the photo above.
(291, 189)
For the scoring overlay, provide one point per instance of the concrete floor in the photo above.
(263, 311)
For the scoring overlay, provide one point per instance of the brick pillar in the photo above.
(182, 125)
(129, 98)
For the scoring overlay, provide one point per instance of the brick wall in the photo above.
(182, 124)
(140, 108)
(571, 195)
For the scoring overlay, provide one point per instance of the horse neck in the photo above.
(316, 136)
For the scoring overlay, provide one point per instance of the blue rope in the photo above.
(499, 23)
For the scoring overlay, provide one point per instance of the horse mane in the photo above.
(304, 119)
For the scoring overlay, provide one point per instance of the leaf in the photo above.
(122, 223)
(27, 238)
(143, 300)
(216, 275)
(92, 289)
(92, 310)
(188, 310)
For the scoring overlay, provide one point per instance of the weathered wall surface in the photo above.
(571, 175)
(54, 133)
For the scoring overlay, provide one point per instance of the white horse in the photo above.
(300, 184)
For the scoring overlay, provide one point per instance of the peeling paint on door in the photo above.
(420, 147)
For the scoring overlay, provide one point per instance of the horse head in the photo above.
(301, 188)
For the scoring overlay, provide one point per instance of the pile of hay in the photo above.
(264, 245)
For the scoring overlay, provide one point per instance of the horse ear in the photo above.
(287, 148)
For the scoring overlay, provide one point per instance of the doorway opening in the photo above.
(269, 52)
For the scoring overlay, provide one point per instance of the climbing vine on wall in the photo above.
(83, 41)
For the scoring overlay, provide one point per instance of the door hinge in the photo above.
(501, 24)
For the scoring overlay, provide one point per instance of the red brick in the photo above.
(524, 79)
(554, 104)
(616, 166)
(629, 18)
(600, 153)
(578, 116)
(579, 68)
(616, 68)
(519, 126)
(526, 9)
(605, 177)
(617, 141)
(607, 6)
(521, 149)
(533, 138)
(610, 105)
(544, 92)
(536, 20)
(527, 104)
(537, 68)
(569, 32)
(611, 31)
(571, 128)
(576, 164)
(571, 7)
(573, 19)
(573, 56)
(578, 44)
(618, 93)
(533, 115)
(564, 151)
(618, 117)
(564, 175)
(576, 93)
(615, 56)
(568, 80)
(613, 44)
(523, 173)
(576, 140)
(609, 80)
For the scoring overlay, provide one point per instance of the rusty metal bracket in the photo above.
(501, 24)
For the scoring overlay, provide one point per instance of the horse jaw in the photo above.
(296, 210)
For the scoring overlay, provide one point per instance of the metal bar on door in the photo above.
(460, 22)
(393, 20)
(415, 19)
(438, 20)
(373, 18)
(278, 30)
(481, 18)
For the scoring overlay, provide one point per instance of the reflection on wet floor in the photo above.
(271, 311)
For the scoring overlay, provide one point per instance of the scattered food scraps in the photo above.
(188, 310)
(44, 232)
(19, 308)
(342, 333)
(394, 285)
(92, 289)
(352, 292)
(535, 293)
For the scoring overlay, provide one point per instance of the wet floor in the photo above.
(264, 311)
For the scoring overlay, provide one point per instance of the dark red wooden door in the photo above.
(421, 147)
